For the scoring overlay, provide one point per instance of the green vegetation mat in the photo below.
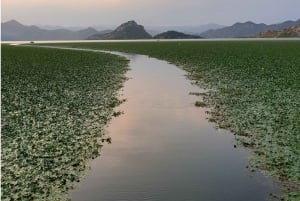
(55, 104)
(255, 93)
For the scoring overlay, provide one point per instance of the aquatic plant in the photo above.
(55, 104)
(256, 94)
(200, 104)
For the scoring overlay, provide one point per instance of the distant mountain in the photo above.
(154, 30)
(283, 25)
(292, 31)
(128, 30)
(175, 35)
(13, 31)
(54, 27)
(247, 29)
(76, 28)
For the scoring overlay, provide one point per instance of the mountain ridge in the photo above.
(175, 35)
(127, 30)
(192, 29)
(292, 31)
(13, 31)
(246, 29)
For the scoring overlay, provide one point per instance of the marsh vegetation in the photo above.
(55, 105)
(254, 91)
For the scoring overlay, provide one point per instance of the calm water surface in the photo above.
(150, 40)
(163, 147)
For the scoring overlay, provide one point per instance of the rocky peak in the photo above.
(292, 31)
(127, 30)
(128, 24)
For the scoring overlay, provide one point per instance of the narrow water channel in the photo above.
(163, 147)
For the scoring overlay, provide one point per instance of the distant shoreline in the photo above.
(153, 40)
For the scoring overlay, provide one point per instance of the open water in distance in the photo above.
(153, 40)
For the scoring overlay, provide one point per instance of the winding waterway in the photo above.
(163, 147)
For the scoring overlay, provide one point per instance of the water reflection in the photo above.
(164, 148)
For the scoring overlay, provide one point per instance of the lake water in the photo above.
(164, 149)
(151, 40)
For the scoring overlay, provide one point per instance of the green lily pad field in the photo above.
(55, 105)
(254, 91)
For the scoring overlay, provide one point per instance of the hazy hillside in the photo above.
(283, 25)
(175, 35)
(154, 30)
(13, 31)
(292, 31)
(247, 29)
(128, 30)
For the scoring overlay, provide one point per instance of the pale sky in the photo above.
(148, 12)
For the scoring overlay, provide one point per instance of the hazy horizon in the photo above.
(149, 13)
